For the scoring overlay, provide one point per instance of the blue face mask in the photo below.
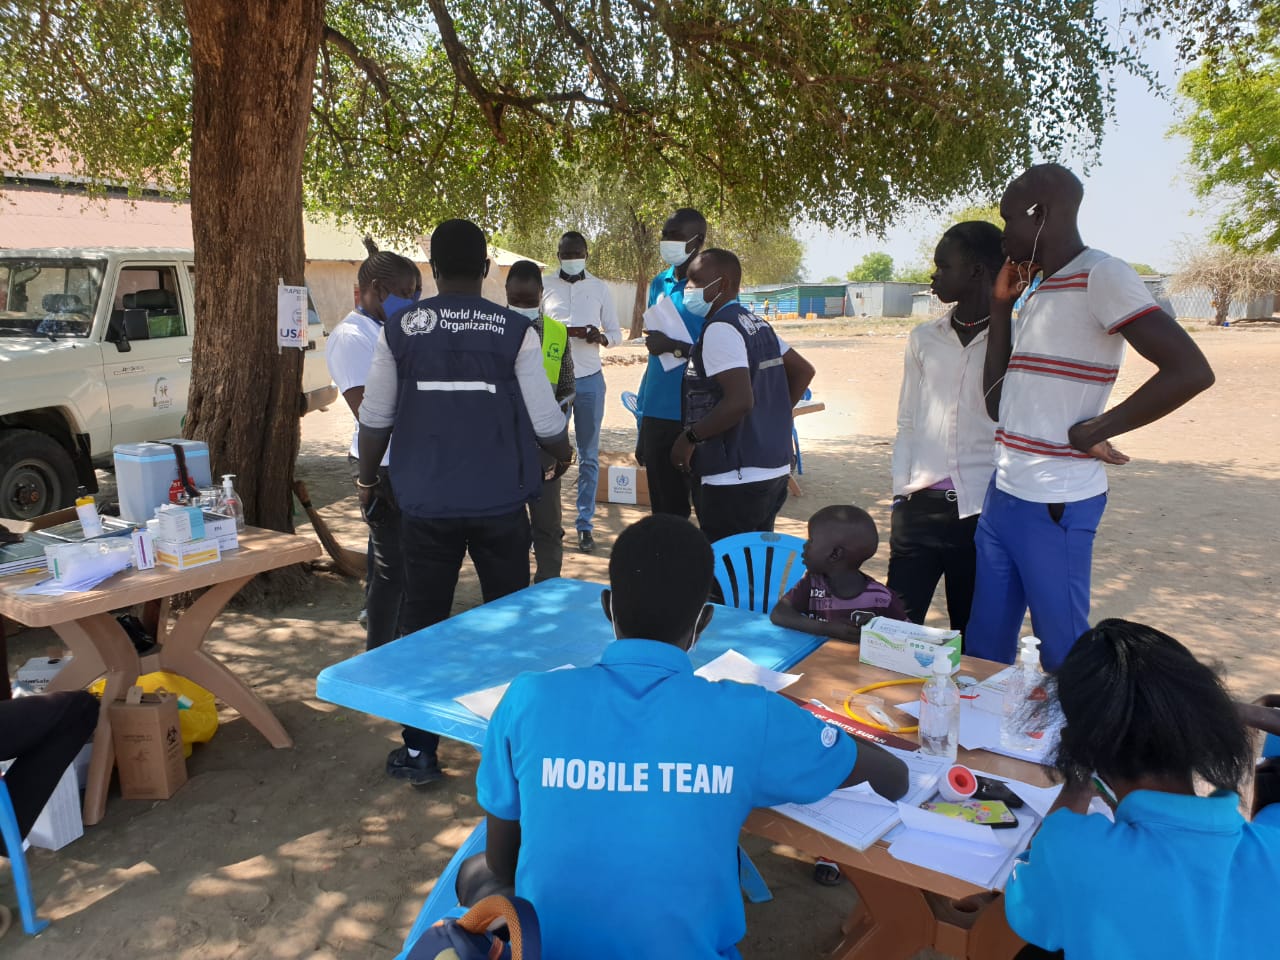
(393, 305)
(533, 313)
(695, 299)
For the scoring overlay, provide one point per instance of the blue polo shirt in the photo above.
(660, 389)
(1174, 876)
(631, 780)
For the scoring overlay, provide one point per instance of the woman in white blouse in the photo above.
(942, 458)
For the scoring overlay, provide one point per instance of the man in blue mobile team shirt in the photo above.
(683, 235)
(640, 765)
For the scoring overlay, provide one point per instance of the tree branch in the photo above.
(367, 65)
(606, 77)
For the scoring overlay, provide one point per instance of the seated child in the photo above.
(1176, 874)
(835, 598)
(615, 793)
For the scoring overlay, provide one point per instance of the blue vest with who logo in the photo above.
(763, 438)
(464, 443)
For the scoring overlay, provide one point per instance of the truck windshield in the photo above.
(54, 297)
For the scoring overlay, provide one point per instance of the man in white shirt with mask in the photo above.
(583, 303)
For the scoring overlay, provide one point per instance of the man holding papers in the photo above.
(615, 793)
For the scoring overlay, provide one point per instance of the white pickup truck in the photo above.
(95, 350)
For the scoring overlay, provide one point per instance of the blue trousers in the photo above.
(588, 415)
(1027, 558)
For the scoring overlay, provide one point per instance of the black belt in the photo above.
(949, 495)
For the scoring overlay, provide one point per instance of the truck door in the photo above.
(148, 385)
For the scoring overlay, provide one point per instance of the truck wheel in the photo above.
(36, 475)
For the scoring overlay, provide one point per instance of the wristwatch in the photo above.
(692, 437)
(679, 353)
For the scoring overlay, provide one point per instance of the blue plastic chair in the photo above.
(632, 403)
(18, 864)
(755, 569)
(795, 437)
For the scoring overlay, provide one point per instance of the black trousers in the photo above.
(42, 735)
(740, 508)
(433, 553)
(668, 487)
(384, 588)
(929, 540)
(1030, 952)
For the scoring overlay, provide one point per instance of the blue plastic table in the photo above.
(415, 679)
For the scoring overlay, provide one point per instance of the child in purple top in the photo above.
(835, 598)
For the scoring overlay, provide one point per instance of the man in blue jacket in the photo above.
(459, 382)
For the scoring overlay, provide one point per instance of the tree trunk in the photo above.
(253, 63)
(643, 255)
(1221, 298)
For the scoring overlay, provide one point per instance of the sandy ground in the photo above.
(313, 853)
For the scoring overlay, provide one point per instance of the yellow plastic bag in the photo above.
(199, 722)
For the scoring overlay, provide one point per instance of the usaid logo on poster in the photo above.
(622, 484)
(421, 320)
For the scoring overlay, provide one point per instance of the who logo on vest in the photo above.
(421, 320)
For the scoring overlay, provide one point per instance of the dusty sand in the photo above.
(312, 853)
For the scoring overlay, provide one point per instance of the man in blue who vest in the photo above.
(739, 388)
(639, 766)
(459, 382)
(683, 235)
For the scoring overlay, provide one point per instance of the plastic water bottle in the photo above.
(940, 710)
(87, 512)
(1027, 707)
(231, 504)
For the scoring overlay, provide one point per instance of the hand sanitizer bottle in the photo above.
(1026, 702)
(940, 710)
(231, 504)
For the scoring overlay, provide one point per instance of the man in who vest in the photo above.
(459, 381)
(739, 389)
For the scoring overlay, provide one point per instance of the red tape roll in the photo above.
(959, 784)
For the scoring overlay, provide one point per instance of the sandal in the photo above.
(826, 873)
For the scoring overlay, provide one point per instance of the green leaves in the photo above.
(1233, 103)
(875, 266)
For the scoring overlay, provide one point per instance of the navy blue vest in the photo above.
(464, 444)
(763, 438)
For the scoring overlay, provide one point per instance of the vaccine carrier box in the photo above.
(905, 647)
(145, 471)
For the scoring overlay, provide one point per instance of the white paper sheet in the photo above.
(663, 317)
(731, 665)
(858, 816)
(483, 702)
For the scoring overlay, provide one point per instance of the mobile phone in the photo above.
(986, 813)
(576, 331)
(862, 617)
(989, 789)
(374, 510)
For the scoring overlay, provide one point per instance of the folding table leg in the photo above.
(444, 897)
(892, 920)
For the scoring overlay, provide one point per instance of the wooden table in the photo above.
(902, 908)
(100, 645)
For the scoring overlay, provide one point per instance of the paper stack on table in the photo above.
(483, 702)
(731, 665)
(663, 317)
(858, 816)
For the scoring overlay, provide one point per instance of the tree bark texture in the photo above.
(253, 63)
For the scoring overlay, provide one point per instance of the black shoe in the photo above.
(419, 770)
(586, 542)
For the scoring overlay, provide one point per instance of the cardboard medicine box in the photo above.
(179, 523)
(905, 647)
(621, 481)
(187, 554)
(223, 529)
(148, 744)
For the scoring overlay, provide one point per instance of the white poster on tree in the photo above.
(291, 316)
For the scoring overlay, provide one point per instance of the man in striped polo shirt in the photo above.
(1047, 379)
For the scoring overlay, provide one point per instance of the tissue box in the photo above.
(905, 647)
(223, 529)
(179, 523)
(185, 554)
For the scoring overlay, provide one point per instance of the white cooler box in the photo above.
(145, 471)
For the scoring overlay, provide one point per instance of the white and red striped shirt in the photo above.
(1065, 360)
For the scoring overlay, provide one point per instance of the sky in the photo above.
(1138, 202)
